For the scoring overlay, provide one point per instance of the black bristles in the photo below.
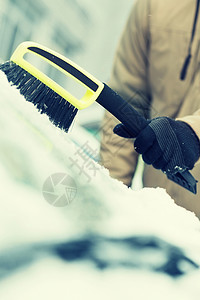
(60, 112)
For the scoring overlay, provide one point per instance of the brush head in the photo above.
(45, 93)
(60, 112)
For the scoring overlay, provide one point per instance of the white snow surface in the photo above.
(31, 149)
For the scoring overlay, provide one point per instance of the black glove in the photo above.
(169, 145)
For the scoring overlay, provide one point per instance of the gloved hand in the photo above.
(169, 145)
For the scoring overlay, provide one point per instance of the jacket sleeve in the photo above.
(129, 79)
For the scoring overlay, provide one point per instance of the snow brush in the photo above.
(61, 106)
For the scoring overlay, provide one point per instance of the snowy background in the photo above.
(109, 242)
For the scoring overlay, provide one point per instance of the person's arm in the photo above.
(129, 75)
(129, 79)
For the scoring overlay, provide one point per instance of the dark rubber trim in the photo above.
(67, 67)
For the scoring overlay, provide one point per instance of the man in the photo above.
(157, 70)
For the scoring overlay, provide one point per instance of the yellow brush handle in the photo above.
(63, 64)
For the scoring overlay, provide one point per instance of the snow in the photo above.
(110, 242)
(114, 218)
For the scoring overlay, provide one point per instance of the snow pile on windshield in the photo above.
(109, 242)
